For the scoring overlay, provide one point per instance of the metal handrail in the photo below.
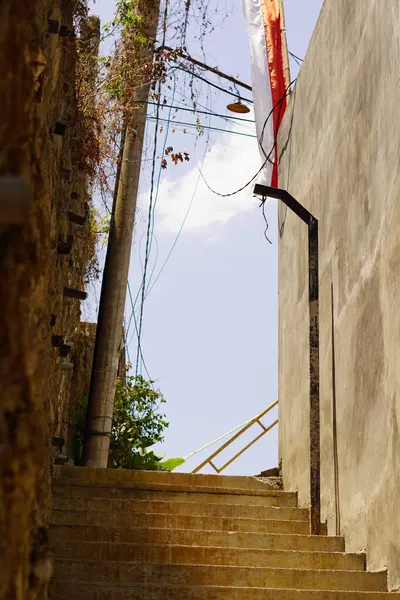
(247, 426)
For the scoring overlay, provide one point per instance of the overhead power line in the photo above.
(137, 332)
(182, 67)
(152, 283)
(201, 126)
(203, 112)
(267, 156)
(198, 63)
(297, 58)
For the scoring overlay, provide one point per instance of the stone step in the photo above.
(67, 590)
(181, 574)
(118, 476)
(176, 493)
(158, 520)
(128, 506)
(185, 537)
(209, 555)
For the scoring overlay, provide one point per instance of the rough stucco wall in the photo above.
(341, 161)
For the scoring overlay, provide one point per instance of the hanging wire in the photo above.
(155, 204)
(151, 201)
(184, 124)
(137, 332)
(267, 156)
(183, 221)
(182, 67)
(296, 58)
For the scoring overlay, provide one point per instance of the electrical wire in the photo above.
(266, 222)
(182, 225)
(148, 237)
(182, 67)
(137, 295)
(128, 359)
(280, 104)
(153, 213)
(153, 210)
(227, 118)
(184, 124)
(267, 156)
(136, 327)
(203, 112)
(176, 239)
(296, 58)
(149, 222)
(159, 174)
(152, 284)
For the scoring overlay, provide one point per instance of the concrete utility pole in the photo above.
(115, 277)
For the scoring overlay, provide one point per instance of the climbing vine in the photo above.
(107, 84)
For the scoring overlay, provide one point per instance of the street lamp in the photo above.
(238, 107)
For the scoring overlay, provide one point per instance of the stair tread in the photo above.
(238, 549)
(198, 554)
(176, 487)
(290, 541)
(122, 514)
(204, 592)
(198, 566)
(172, 521)
(92, 475)
(240, 576)
(99, 503)
(187, 494)
(123, 526)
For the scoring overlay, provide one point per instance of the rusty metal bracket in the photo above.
(77, 219)
(74, 293)
(313, 302)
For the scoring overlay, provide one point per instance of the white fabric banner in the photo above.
(261, 84)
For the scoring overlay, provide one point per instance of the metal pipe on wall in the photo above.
(313, 303)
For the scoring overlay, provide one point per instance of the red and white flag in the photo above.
(265, 24)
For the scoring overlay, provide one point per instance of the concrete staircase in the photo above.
(170, 536)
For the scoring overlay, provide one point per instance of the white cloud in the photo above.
(230, 163)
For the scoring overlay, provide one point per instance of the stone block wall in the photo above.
(38, 103)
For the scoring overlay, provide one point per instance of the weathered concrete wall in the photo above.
(342, 131)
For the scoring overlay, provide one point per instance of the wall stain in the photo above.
(369, 360)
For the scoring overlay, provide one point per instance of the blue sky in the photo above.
(210, 321)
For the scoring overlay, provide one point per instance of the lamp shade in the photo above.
(238, 107)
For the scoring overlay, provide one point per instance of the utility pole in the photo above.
(198, 63)
(116, 269)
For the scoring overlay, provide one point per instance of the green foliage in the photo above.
(172, 463)
(126, 17)
(147, 460)
(77, 442)
(137, 424)
(99, 226)
(144, 461)
(114, 88)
